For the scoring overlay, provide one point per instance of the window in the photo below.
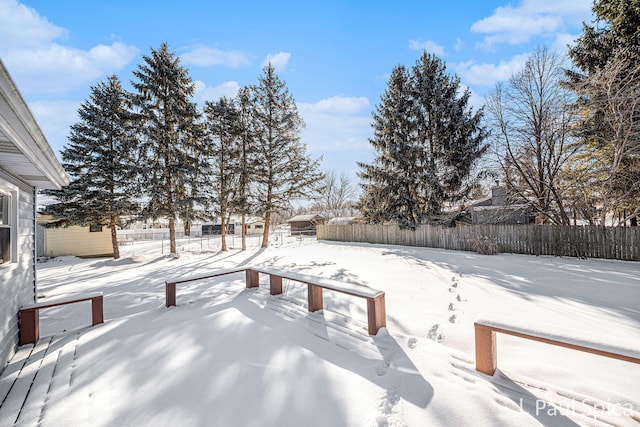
(5, 228)
(95, 228)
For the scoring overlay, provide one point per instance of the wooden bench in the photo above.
(30, 314)
(486, 328)
(170, 285)
(376, 314)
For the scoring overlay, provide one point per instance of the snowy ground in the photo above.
(230, 356)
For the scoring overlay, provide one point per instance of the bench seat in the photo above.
(375, 298)
(30, 314)
(486, 327)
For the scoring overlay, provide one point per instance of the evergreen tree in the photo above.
(614, 33)
(246, 159)
(427, 141)
(171, 150)
(100, 161)
(607, 60)
(283, 170)
(224, 133)
(391, 181)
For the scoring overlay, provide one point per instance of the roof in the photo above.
(24, 151)
(308, 217)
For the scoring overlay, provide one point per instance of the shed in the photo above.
(305, 224)
(80, 241)
(27, 163)
(254, 226)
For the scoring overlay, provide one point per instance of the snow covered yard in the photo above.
(231, 356)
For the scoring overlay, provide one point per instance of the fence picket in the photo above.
(584, 241)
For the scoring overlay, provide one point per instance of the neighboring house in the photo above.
(305, 224)
(90, 241)
(254, 226)
(27, 162)
(497, 210)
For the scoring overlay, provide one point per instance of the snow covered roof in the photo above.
(307, 217)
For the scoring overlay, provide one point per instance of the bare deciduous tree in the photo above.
(337, 194)
(530, 120)
(609, 109)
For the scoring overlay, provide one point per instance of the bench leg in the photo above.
(97, 310)
(486, 350)
(275, 284)
(314, 295)
(29, 326)
(170, 294)
(376, 313)
(253, 279)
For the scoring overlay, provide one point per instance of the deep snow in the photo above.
(231, 356)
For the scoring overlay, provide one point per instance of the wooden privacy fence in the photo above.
(622, 243)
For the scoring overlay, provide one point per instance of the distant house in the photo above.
(255, 226)
(87, 241)
(305, 224)
(497, 210)
(27, 163)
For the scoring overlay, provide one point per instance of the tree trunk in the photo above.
(172, 237)
(223, 233)
(244, 233)
(114, 238)
(265, 233)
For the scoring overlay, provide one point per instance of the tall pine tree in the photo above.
(284, 171)
(171, 150)
(100, 159)
(427, 140)
(224, 132)
(246, 159)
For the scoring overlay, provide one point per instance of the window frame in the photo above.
(11, 190)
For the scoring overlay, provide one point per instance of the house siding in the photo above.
(17, 279)
(78, 241)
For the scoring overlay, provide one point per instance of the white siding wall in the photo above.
(78, 241)
(17, 279)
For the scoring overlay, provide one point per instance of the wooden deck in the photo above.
(34, 372)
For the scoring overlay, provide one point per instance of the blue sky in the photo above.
(335, 56)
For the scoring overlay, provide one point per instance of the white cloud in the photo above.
(57, 69)
(339, 105)
(472, 73)
(335, 124)
(279, 60)
(207, 56)
(22, 27)
(213, 93)
(459, 45)
(428, 45)
(40, 64)
(518, 24)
